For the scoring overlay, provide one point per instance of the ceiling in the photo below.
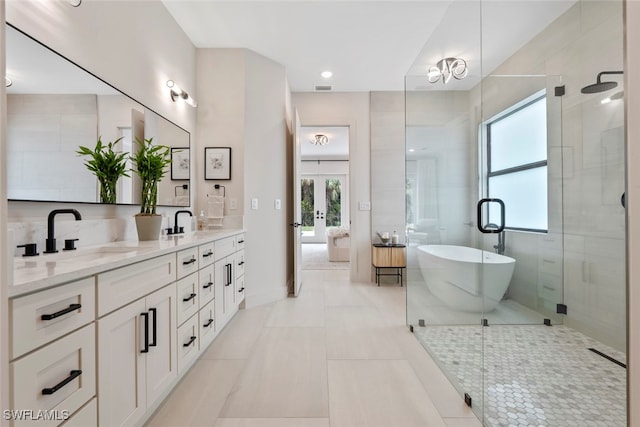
(368, 45)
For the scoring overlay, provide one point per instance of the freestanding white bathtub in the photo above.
(465, 279)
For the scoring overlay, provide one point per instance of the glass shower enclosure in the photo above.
(515, 229)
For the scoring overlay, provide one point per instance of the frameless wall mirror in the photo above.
(54, 107)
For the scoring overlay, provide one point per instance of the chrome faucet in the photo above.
(176, 229)
(501, 238)
(50, 242)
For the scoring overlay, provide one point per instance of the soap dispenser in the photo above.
(202, 221)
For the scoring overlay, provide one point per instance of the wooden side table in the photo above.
(388, 256)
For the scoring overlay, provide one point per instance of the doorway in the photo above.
(324, 197)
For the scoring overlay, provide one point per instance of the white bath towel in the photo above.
(215, 210)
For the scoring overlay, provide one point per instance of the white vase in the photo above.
(148, 226)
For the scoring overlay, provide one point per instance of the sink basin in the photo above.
(89, 254)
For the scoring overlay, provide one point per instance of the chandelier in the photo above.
(447, 68)
(319, 139)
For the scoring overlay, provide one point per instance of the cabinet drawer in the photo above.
(550, 263)
(187, 261)
(550, 287)
(224, 247)
(42, 317)
(206, 254)
(58, 377)
(188, 342)
(119, 287)
(188, 289)
(207, 325)
(239, 294)
(207, 287)
(87, 416)
(240, 241)
(239, 257)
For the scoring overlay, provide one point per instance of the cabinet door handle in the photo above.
(208, 285)
(191, 261)
(209, 322)
(154, 324)
(241, 241)
(189, 298)
(191, 341)
(241, 289)
(207, 255)
(146, 333)
(72, 376)
(241, 263)
(72, 307)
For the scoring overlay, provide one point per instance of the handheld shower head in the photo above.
(600, 86)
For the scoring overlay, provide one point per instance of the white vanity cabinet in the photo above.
(106, 347)
(136, 357)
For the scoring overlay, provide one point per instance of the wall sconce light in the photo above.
(447, 68)
(319, 139)
(75, 3)
(177, 93)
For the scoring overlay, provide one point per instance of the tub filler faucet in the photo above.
(501, 237)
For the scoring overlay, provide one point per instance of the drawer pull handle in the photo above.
(72, 307)
(189, 298)
(208, 254)
(191, 261)
(240, 241)
(72, 376)
(548, 288)
(241, 289)
(241, 263)
(548, 261)
(146, 333)
(154, 323)
(208, 285)
(209, 322)
(191, 341)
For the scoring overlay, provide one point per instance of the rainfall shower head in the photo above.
(600, 86)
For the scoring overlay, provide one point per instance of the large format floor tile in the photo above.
(378, 393)
(286, 376)
(338, 355)
(198, 399)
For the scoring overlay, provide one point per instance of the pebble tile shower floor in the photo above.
(534, 375)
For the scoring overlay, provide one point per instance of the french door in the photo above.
(324, 204)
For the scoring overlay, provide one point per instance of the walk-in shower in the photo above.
(524, 156)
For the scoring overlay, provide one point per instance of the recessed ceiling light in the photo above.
(411, 150)
(326, 74)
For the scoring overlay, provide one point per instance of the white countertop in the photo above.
(31, 274)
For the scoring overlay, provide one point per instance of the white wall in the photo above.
(135, 46)
(243, 105)
(387, 163)
(265, 167)
(348, 109)
(221, 123)
(632, 103)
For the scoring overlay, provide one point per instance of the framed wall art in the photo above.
(217, 163)
(180, 163)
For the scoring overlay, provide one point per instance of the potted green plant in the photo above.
(107, 165)
(150, 164)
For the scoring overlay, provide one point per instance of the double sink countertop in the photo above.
(32, 274)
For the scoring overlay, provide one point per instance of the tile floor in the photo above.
(315, 257)
(338, 355)
(533, 375)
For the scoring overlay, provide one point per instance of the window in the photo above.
(517, 164)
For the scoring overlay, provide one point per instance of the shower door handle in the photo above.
(484, 229)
